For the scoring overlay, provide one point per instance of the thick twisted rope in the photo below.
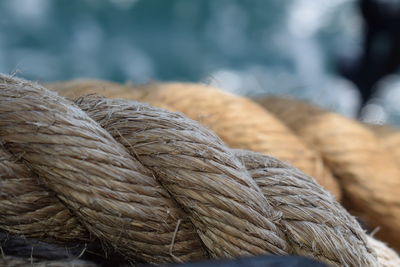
(205, 178)
(238, 121)
(141, 177)
(93, 175)
(386, 256)
(369, 175)
(310, 225)
(19, 204)
(389, 137)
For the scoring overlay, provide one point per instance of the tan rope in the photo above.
(315, 230)
(31, 208)
(76, 88)
(369, 175)
(167, 169)
(277, 179)
(238, 121)
(77, 155)
(386, 256)
(206, 179)
(78, 160)
(389, 137)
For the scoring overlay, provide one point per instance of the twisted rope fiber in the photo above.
(28, 251)
(305, 206)
(127, 206)
(153, 214)
(75, 88)
(203, 175)
(315, 229)
(93, 175)
(389, 137)
(369, 174)
(19, 204)
(121, 111)
(239, 122)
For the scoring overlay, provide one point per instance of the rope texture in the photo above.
(369, 175)
(161, 188)
(238, 121)
(389, 137)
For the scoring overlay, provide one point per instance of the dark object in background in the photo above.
(381, 48)
(259, 261)
(27, 248)
(22, 247)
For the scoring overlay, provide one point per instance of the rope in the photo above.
(310, 226)
(386, 256)
(238, 121)
(138, 177)
(22, 197)
(368, 174)
(389, 138)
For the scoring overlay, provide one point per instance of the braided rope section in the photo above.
(238, 121)
(369, 174)
(160, 188)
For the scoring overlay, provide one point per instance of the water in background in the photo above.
(246, 47)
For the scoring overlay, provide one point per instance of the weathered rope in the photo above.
(139, 177)
(386, 256)
(22, 197)
(203, 175)
(238, 121)
(277, 179)
(93, 175)
(369, 175)
(295, 196)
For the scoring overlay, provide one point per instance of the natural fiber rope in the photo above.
(389, 137)
(386, 256)
(93, 174)
(238, 121)
(296, 195)
(277, 179)
(77, 88)
(19, 204)
(118, 194)
(203, 175)
(369, 175)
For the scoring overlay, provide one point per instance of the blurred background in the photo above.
(339, 54)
